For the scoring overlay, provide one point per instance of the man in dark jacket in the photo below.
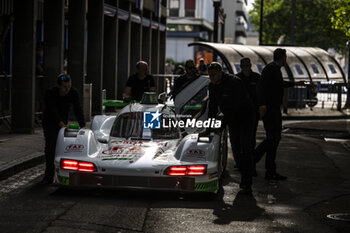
(139, 83)
(227, 94)
(181, 82)
(57, 104)
(270, 96)
(250, 80)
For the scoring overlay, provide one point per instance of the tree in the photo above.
(340, 16)
(318, 23)
(340, 19)
(313, 25)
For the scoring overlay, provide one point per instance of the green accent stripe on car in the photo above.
(193, 107)
(207, 186)
(115, 103)
(63, 180)
(73, 126)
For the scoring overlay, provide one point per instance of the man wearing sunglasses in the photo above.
(181, 82)
(56, 109)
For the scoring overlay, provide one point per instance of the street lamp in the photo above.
(261, 22)
(217, 5)
(347, 104)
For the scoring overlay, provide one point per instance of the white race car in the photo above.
(121, 152)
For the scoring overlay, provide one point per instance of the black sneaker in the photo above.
(46, 181)
(274, 176)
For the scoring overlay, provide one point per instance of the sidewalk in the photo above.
(315, 113)
(22, 151)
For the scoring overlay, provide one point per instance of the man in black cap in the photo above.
(57, 104)
(270, 96)
(227, 94)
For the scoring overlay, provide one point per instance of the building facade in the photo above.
(98, 42)
(236, 24)
(188, 21)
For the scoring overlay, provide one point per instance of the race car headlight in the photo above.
(77, 165)
(191, 170)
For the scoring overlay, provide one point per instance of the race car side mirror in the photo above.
(102, 140)
(162, 97)
(205, 139)
(220, 116)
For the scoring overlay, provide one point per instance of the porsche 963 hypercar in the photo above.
(122, 151)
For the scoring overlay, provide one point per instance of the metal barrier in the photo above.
(331, 96)
(164, 82)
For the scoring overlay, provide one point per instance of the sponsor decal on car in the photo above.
(117, 159)
(74, 148)
(128, 142)
(122, 153)
(159, 152)
(163, 146)
(213, 175)
(163, 157)
(195, 152)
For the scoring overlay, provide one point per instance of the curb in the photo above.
(314, 117)
(18, 165)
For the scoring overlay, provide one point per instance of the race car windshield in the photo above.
(130, 126)
(166, 133)
(191, 107)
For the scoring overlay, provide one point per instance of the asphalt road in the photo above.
(318, 184)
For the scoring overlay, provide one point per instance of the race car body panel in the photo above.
(121, 152)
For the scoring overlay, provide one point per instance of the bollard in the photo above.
(103, 98)
(87, 101)
(339, 97)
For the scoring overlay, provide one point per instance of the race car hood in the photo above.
(140, 152)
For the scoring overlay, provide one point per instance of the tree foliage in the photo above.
(313, 25)
(341, 16)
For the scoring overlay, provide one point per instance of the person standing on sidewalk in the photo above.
(57, 105)
(169, 67)
(270, 96)
(227, 94)
(250, 80)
